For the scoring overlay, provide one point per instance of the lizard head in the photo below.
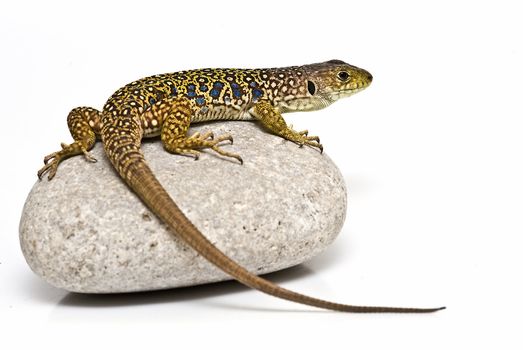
(327, 82)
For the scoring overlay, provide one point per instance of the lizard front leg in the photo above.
(84, 124)
(176, 117)
(272, 119)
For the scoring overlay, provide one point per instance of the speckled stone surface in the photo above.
(85, 231)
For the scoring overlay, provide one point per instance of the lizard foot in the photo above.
(301, 138)
(192, 145)
(213, 144)
(52, 160)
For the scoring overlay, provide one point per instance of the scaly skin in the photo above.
(167, 104)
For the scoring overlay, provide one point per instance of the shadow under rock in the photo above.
(201, 291)
(176, 294)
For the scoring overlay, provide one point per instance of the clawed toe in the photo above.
(218, 150)
(315, 144)
(51, 167)
(304, 132)
(302, 139)
(48, 157)
(52, 160)
(89, 156)
(314, 141)
(209, 135)
(227, 154)
(225, 137)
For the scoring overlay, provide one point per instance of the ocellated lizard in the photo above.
(165, 105)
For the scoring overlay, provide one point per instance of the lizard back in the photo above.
(213, 94)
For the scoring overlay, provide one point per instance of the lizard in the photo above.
(165, 105)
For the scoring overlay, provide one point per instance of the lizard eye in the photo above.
(311, 87)
(343, 76)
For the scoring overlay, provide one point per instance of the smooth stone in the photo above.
(85, 231)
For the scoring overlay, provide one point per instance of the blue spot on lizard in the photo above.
(200, 100)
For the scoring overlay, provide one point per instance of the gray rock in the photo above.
(85, 231)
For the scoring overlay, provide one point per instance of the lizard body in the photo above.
(165, 105)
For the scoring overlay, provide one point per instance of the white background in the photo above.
(431, 152)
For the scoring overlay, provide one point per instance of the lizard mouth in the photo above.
(347, 92)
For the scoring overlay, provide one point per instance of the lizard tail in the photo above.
(133, 168)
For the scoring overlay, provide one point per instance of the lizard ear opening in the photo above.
(311, 87)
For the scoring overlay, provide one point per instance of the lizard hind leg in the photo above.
(84, 124)
(176, 120)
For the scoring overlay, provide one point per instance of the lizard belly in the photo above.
(201, 114)
(220, 112)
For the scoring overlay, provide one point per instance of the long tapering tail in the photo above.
(133, 168)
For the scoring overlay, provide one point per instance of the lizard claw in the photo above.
(302, 139)
(304, 132)
(89, 156)
(51, 167)
(52, 160)
(48, 157)
(226, 137)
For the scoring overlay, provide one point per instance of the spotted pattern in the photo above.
(213, 94)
